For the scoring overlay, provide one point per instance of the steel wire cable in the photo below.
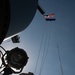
(57, 45)
(45, 54)
(43, 32)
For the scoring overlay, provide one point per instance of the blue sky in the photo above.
(61, 32)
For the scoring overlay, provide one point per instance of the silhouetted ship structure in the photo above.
(15, 16)
(15, 39)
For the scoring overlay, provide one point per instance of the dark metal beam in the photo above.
(40, 9)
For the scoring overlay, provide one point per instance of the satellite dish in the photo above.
(15, 16)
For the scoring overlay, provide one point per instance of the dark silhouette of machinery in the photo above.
(15, 16)
(40, 9)
(15, 58)
(15, 39)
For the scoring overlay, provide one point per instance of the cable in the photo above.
(44, 52)
(42, 61)
(59, 54)
(60, 60)
(3, 48)
(45, 55)
(39, 49)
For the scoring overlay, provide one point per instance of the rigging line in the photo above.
(44, 59)
(60, 60)
(43, 52)
(47, 41)
(43, 32)
(59, 54)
